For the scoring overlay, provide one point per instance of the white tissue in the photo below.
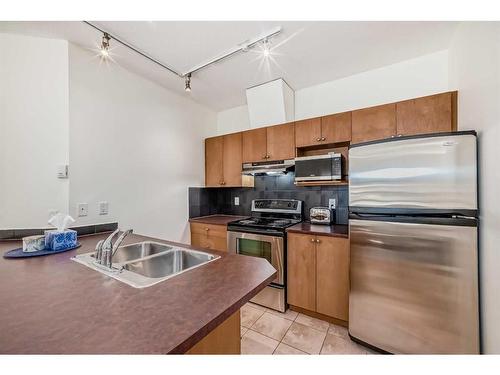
(61, 221)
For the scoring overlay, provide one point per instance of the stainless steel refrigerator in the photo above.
(414, 244)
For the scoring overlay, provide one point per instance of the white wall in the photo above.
(420, 76)
(408, 79)
(475, 72)
(133, 144)
(233, 120)
(33, 129)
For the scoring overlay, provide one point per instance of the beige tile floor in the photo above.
(265, 331)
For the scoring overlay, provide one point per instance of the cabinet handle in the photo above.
(318, 241)
(223, 183)
(267, 156)
(318, 139)
(207, 229)
(264, 157)
(323, 139)
(313, 240)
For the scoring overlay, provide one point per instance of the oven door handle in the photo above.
(257, 232)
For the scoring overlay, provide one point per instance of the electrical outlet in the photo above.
(103, 208)
(332, 203)
(83, 209)
(236, 201)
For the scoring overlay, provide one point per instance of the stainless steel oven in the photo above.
(263, 236)
(270, 248)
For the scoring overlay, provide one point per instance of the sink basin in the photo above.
(169, 263)
(147, 263)
(138, 250)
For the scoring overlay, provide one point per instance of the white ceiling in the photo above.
(304, 53)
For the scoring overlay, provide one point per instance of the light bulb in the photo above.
(187, 81)
(104, 49)
(266, 50)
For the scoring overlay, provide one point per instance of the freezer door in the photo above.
(436, 173)
(414, 287)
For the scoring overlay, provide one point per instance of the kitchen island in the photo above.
(53, 305)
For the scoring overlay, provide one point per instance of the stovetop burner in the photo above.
(266, 222)
(271, 214)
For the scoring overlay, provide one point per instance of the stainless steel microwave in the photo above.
(319, 167)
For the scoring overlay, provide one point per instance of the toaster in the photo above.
(321, 215)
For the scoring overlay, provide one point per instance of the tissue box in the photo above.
(33, 243)
(60, 240)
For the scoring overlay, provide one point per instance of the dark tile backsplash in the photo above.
(211, 201)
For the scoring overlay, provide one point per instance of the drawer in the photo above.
(209, 236)
(210, 229)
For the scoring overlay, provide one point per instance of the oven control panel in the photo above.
(277, 205)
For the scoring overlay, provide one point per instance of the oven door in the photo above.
(263, 246)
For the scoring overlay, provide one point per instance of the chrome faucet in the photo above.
(105, 249)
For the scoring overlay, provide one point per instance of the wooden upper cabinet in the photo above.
(281, 142)
(308, 132)
(232, 159)
(429, 114)
(301, 271)
(336, 128)
(332, 277)
(213, 161)
(254, 145)
(373, 123)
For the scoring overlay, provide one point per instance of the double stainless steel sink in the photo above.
(147, 263)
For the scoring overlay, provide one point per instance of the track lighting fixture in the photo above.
(104, 49)
(266, 47)
(188, 82)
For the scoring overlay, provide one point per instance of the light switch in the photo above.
(62, 171)
(103, 208)
(236, 201)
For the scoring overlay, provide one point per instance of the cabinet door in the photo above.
(254, 145)
(301, 271)
(430, 114)
(232, 160)
(332, 277)
(208, 236)
(336, 128)
(374, 123)
(281, 142)
(308, 132)
(213, 161)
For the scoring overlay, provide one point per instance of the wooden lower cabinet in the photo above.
(225, 339)
(209, 236)
(301, 271)
(332, 277)
(318, 274)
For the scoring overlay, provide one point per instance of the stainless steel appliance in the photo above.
(321, 215)
(319, 167)
(263, 235)
(268, 167)
(413, 231)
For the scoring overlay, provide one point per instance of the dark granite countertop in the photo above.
(53, 305)
(216, 219)
(335, 230)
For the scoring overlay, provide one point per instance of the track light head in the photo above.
(187, 81)
(266, 47)
(104, 48)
